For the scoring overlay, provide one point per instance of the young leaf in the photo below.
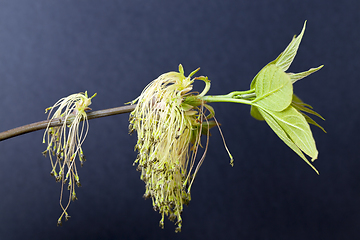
(254, 112)
(297, 128)
(297, 76)
(285, 59)
(273, 89)
(311, 121)
(302, 107)
(292, 128)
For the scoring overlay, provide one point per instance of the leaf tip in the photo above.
(315, 156)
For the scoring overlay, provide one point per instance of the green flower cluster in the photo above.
(64, 142)
(169, 120)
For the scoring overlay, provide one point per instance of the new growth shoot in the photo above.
(169, 120)
(272, 99)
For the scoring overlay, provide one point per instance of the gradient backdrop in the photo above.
(50, 49)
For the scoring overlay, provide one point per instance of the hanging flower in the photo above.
(64, 142)
(169, 120)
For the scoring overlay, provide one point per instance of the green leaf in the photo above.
(285, 59)
(292, 128)
(273, 89)
(302, 107)
(254, 112)
(311, 121)
(297, 76)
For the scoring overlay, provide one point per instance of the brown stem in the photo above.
(56, 122)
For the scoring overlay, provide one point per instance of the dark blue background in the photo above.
(50, 49)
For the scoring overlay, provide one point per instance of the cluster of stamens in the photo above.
(64, 143)
(169, 121)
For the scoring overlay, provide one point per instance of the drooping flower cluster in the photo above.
(169, 120)
(64, 142)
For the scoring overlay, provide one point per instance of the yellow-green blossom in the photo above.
(169, 120)
(64, 142)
